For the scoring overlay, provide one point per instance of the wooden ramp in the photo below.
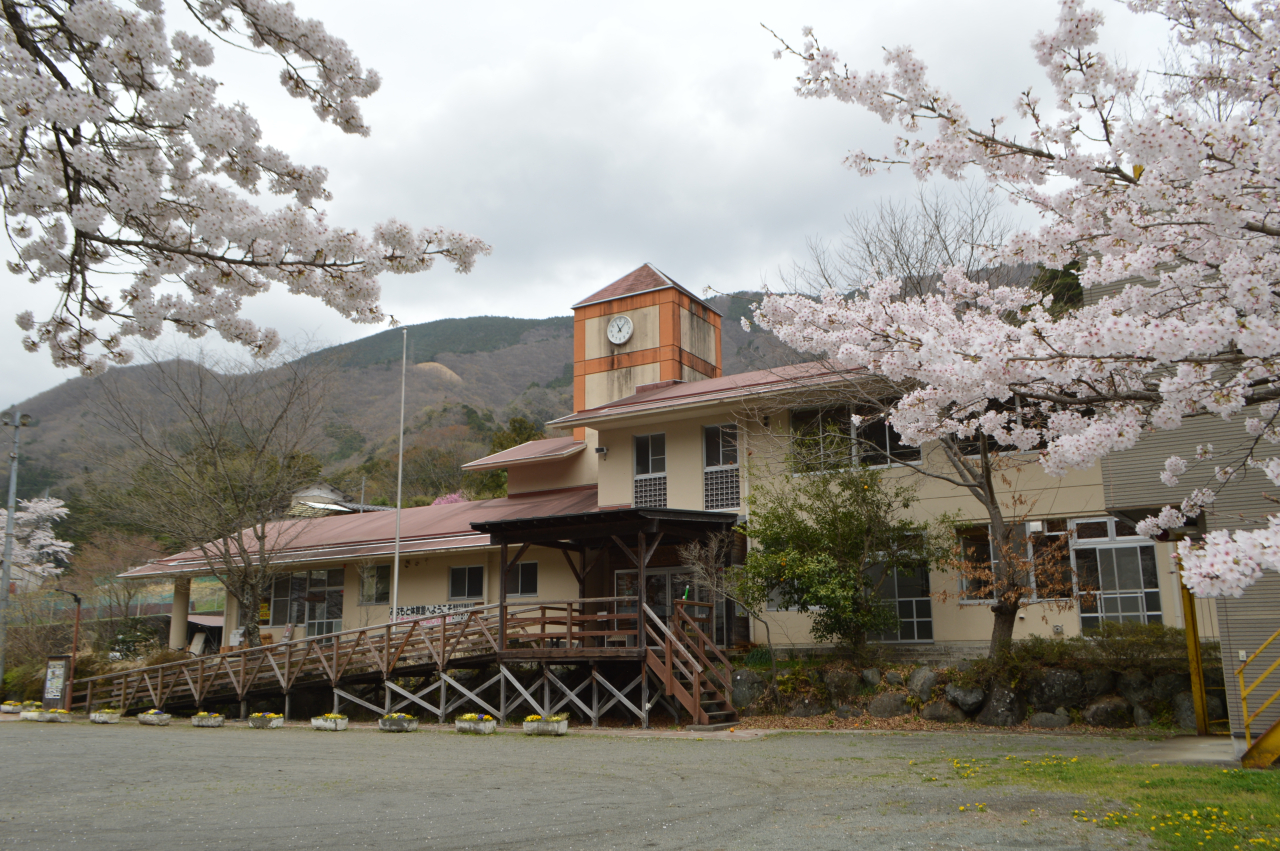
(613, 646)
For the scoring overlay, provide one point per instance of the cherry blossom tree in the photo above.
(1163, 186)
(37, 551)
(119, 164)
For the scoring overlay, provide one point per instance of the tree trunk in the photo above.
(1006, 616)
(249, 599)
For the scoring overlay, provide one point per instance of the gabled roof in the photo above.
(531, 452)
(643, 280)
(709, 391)
(429, 528)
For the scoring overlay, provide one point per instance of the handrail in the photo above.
(1245, 692)
(725, 676)
(654, 620)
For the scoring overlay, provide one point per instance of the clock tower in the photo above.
(644, 328)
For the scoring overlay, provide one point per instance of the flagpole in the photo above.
(395, 566)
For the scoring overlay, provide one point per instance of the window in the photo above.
(466, 583)
(650, 486)
(720, 485)
(1116, 576)
(375, 585)
(880, 444)
(975, 548)
(522, 580)
(821, 439)
(311, 597)
(907, 590)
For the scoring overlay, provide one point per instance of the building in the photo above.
(661, 448)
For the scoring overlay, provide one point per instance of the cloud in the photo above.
(583, 139)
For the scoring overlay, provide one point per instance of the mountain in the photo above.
(468, 378)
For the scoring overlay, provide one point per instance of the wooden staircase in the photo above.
(690, 666)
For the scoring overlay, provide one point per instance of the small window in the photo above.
(721, 446)
(651, 454)
(375, 585)
(522, 580)
(975, 546)
(466, 583)
(880, 444)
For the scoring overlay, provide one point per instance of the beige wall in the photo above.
(697, 336)
(644, 322)
(578, 469)
(606, 387)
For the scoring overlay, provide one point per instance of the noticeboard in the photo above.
(55, 681)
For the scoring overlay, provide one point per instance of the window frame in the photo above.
(467, 582)
(721, 428)
(650, 456)
(361, 574)
(518, 573)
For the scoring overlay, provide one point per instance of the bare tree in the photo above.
(710, 561)
(915, 243)
(210, 459)
(95, 575)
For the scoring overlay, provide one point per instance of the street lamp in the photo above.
(15, 420)
(75, 649)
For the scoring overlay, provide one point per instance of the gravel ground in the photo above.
(79, 786)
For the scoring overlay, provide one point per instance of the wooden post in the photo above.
(595, 697)
(502, 600)
(644, 695)
(88, 698)
(640, 591)
(287, 705)
(440, 714)
(502, 693)
(546, 690)
(1192, 626)
(244, 709)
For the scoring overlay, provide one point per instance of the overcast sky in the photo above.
(583, 139)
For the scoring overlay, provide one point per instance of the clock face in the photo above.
(619, 330)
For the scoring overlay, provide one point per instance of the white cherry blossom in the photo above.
(118, 163)
(1167, 184)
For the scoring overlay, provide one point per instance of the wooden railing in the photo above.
(324, 659)
(678, 655)
(599, 622)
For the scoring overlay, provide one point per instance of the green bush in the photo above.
(758, 657)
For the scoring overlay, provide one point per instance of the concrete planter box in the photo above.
(546, 728)
(14, 708)
(104, 717)
(30, 715)
(207, 720)
(53, 717)
(397, 725)
(480, 728)
(158, 719)
(333, 725)
(265, 723)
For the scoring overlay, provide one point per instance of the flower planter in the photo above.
(333, 725)
(154, 719)
(104, 717)
(265, 722)
(546, 728)
(207, 720)
(397, 725)
(30, 714)
(480, 728)
(11, 707)
(53, 717)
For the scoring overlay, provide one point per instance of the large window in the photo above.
(313, 598)
(1116, 573)
(1102, 562)
(650, 487)
(720, 485)
(826, 440)
(375, 585)
(522, 580)
(466, 583)
(907, 591)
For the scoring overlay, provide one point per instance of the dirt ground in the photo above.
(132, 788)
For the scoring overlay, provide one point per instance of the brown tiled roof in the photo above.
(709, 391)
(430, 528)
(551, 449)
(642, 280)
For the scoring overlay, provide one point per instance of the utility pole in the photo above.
(17, 421)
(75, 650)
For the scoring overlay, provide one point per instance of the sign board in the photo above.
(55, 681)
(237, 637)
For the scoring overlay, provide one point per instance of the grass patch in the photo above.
(1180, 807)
